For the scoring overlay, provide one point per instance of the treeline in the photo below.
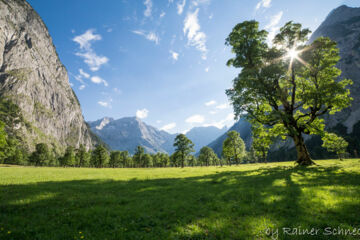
(233, 153)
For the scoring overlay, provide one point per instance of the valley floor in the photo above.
(238, 202)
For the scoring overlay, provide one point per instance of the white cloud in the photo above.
(207, 69)
(148, 4)
(228, 121)
(180, 6)
(151, 36)
(78, 78)
(98, 80)
(162, 14)
(104, 104)
(272, 26)
(274, 20)
(142, 113)
(195, 119)
(168, 127)
(213, 112)
(211, 16)
(82, 87)
(86, 38)
(223, 106)
(264, 4)
(87, 53)
(92, 60)
(84, 74)
(174, 55)
(196, 38)
(210, 103)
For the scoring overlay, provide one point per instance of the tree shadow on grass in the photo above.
(226, 205)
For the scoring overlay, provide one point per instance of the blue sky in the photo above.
(162, 60)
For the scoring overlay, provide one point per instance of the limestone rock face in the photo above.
(343, 26)
(33, 77)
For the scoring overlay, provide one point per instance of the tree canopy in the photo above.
(233, 148)
(184, 147)
(288, 86)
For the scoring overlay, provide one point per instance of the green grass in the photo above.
(191, 203)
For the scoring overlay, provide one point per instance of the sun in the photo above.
(292, 53)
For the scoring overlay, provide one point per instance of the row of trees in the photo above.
(233, 153)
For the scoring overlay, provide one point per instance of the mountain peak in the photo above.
(340, 14)
(104, 122)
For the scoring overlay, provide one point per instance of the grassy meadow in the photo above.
(237, 202)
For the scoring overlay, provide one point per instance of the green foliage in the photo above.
(283, 91)
(233, 148)
(99, 157)
(184, 147)
(41, 155)
(262, 141)
(3, 142)
(147, 161)
(251, 156)
(335, 143)
(69, 158)
(138, 156)
(15, 154)
(192, 161)
(160, 159)
(175, 159)
(126, 160)
(207, 157)
(82, 157)
(10, 114)
(115, 159)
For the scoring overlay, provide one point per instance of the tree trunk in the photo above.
(303, 156)
(183, 160)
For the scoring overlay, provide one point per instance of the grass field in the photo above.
(239, 202)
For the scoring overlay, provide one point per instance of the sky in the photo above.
(163, 61)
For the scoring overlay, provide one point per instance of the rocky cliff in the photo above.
(343, 26)
(32, 76)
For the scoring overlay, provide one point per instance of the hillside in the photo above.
(33, 78)
(243, 127)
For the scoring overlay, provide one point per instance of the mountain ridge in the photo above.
(129, 132)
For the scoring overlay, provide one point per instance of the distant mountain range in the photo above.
(130, 132)
(202, 136)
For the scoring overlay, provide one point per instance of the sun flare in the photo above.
(292, 53)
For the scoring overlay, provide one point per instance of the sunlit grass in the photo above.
(237, 202)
